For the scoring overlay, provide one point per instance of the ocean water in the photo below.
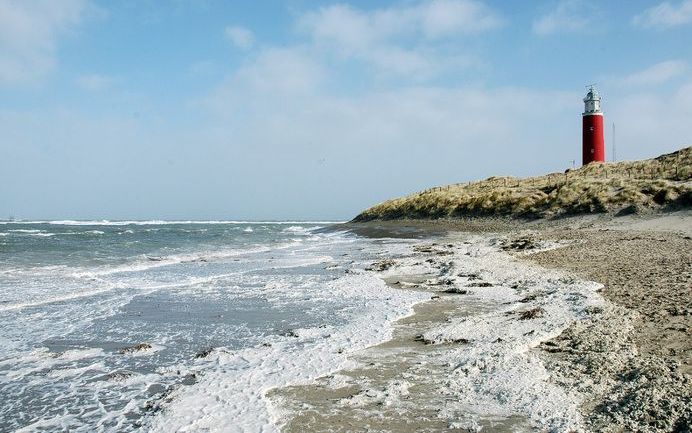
(221, 311)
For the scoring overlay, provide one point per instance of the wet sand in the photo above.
(395, 389)
(630, 364)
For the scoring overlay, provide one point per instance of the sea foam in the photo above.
(498, 373)
(235, 388)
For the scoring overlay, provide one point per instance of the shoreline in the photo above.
(641, 353)
(385, 388)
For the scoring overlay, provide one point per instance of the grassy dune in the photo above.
(664, 182)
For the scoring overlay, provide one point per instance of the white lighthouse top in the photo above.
(592, 102)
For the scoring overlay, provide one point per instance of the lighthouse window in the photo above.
(590, 128)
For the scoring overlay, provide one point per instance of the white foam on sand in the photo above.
(231, 396)
(498, 373)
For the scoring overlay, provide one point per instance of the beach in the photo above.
(575, 324)
(634, 362)
(571, 324)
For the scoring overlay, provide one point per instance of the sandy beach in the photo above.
(633, 362)
(575, 324)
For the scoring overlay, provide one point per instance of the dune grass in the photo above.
(664, 182)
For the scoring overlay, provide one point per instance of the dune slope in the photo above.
(664, 182)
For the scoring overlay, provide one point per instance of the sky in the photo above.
(280, 110)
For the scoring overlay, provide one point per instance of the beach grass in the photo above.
(619, 187)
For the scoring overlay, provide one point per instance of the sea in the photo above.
(144, 325)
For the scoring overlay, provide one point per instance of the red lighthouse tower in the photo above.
(593, 147)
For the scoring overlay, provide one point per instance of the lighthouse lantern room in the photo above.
(593, 146)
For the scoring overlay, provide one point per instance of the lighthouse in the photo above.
(593, 148)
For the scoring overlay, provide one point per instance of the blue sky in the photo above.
(305, 110)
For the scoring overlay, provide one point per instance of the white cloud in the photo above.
(656, 74)
(351, 28)
(278, 74)
(29, 33)
(346, 28)
(445, 17)
(382, 37)
(568, 16)
(280, 107)
(401, 61)
(240, 37)
(282, 71)
(665, 15)
(94, 82)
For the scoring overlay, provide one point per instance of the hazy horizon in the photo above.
(297, 110)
